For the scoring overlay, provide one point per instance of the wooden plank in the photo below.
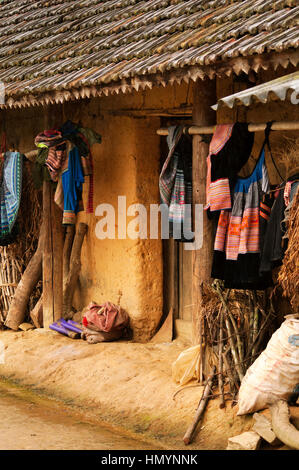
(75, 267)
(67, 249)
(183, 329)
(165, 333)
(170, 277)
(185, 283)
(203, 115)
(180, 111)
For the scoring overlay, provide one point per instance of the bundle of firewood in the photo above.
(237, 326)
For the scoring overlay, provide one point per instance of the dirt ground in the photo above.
(31, 422)
(126, 384)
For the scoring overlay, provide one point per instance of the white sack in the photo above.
(275, 373)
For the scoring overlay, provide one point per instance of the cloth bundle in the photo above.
(107, 322)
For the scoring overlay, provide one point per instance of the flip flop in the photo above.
(71, 325)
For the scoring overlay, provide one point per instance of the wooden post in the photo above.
(48, 307)
(52, 258)
(203, 115)
(57, 231)
(67, 249)
(74, 269)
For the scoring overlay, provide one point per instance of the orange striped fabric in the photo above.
(220, 197)
(221, 135)
(238, 234)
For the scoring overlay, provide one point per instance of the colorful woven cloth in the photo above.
(218, 192)
(52, 156)
(49, 138)
(55, 159)
(175, 184)
(229, 150)
(10, 194)
(219, 196)
(238, 243)
(238, 230)
(169, 170)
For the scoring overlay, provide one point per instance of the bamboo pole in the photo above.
(220, 361)
(204, 96)
(252, 127)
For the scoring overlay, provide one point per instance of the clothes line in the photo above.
(252, 127)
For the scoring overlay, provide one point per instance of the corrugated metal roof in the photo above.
(59, 46)
(283, 88)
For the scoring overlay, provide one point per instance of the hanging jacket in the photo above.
(175, 183)
(72, 183)
(274, 242)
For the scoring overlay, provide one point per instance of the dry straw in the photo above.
(287, 156)
(288, 276)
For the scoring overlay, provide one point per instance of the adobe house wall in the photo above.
(127, 163)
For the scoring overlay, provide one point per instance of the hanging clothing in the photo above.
(275, 243)
(91, 136)
(72, 183)
(10, 196)
(237, 243)
(175, 183)
(218, 192)
(55, 159)
(49, 138)
(51, 154)
(83, 138)
(229, 150)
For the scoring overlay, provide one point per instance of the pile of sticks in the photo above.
(236, 332)
(236, 326)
